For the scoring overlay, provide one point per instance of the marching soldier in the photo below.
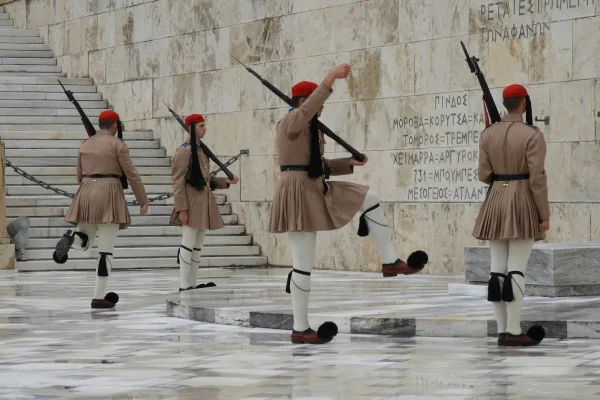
(195, 209)
(305, 203)
(99, 207)
(516, 211)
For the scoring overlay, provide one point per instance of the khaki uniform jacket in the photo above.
(301, 203)
(512, 209)
(102, 200)
(202, 207)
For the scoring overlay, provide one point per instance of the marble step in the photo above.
(147, 252)
(133, 230)
(42, 128)
(61, 201)
(19, 32)
(14, 154)
(72, 144)
(24, 47)
(46, 120)
(154, 241)
(4, 15)
(65, 162)
(27, 61)
(52, 92)
(59, 135)
(29, 68)
(92, 113)
(21, 39)
(16, 52)
(136, 220)
(41, 105)
(71, 171)
(139, 263)
(29, 190)
(18, 180)
(50, 97)
(48, 81)
(7, 22)
(14, 212)
(32, 74)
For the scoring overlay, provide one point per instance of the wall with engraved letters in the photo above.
(411, 103)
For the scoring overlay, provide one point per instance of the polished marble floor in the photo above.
(52, 346)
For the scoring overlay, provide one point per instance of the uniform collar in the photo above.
(104, 132)
(513, 118)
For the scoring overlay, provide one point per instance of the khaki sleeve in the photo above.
(538, 180)
(131, 173)
(484, 170)
(338, 166)
(79, 168)
(301, 116)
(179, 169)
(221, 183)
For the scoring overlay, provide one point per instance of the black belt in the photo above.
(284, 168)
(518, 177)
(102, 176)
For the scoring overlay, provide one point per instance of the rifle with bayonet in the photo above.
(355, 153)
(488, 100)
(204, 147)
(91, 131)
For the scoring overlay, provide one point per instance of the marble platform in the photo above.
(554, 269)
(366, 303)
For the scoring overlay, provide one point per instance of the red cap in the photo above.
(194, 119)
(513, 91)
(303, 89)
(109, 115)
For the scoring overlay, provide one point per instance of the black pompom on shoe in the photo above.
(327, 331)
(112, 297)
(537, 333)
(418, 259)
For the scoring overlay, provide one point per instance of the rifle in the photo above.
(355, 153)
(488, 100)
(91, 131)
(204, 148)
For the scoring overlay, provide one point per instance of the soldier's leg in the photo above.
(184, 256)
(81, 238)
(196, 258)
(107, 237)
(374, 223)
(514, 291)
(499, 266)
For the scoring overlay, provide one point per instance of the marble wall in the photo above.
(410, 103)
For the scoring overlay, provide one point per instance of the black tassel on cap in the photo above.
(507, 290)
(528, 111)
(102, 267)
(123, 178)
(315, 166)
(494, 290)
(196, 178)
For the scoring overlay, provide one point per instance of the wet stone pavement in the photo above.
(53, 346)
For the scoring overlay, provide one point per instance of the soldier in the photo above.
(305, 203)
(99, 205)
(515, 213)
(195, 208)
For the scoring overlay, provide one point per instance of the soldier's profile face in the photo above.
(201, 130)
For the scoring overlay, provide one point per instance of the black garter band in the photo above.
(363, 228)
(289, 279)
(102, 267)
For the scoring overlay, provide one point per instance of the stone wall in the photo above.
(411, 103)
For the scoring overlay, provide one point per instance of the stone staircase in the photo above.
(42, 131)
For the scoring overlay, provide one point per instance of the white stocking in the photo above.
(303, 245)
(196, 256)
(107, 236)
(378, 228)
(518, 256)
(499, 253)
(188, 242)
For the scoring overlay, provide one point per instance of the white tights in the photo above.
(507, 256)
(303, 246)
(189, 261)
(107, 236)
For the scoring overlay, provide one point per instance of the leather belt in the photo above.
(284, 168)
(518, 177)
(102, 176)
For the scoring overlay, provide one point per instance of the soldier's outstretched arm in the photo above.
(132, 175)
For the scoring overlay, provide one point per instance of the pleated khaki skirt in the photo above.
(99, 201)
(302, 204)
(508, 212)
